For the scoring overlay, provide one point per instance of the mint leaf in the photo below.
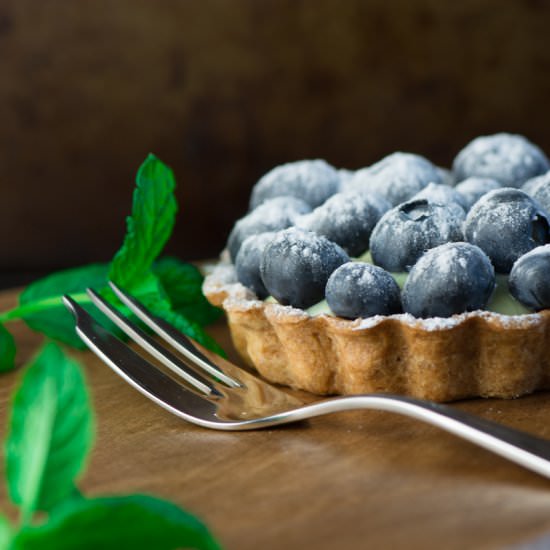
(50, 434)
(5, 533)
(135, 521)
(193, 330)
(148, 228)
(182, 283)
(7, 350)
(45, 310)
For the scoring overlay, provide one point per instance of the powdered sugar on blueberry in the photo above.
(407, 231)
(508, 158)
(396, 177)
(313, 181)
(351, 215)
(273, 215)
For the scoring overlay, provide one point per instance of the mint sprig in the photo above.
(41, 307)
(182, 283)
(133, 521)
(7, 350)
(6, 533)
(169, 287)
(148, 229)
(50, 436)
(51, 433)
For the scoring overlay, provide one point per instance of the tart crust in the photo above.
(474, 354)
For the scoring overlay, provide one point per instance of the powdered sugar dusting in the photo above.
(311, 180)
(404, 233)
(509, 158)
(449, 256)
(397, 177)
(447, 323)
(347, 219)
(223, 278)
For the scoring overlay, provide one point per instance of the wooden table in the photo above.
(347, 481)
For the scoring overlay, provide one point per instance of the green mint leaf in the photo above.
(129, 522)
(193, 330)
(46, 312)
(5, 533)
(182, 283)
(50, 433)
(7, 350)
(148, 228)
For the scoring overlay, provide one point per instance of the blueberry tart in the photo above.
(401, 277)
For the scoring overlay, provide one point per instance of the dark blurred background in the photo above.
(223, 90)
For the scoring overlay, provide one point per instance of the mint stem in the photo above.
(22, 310)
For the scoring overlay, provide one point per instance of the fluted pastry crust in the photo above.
(473, 354)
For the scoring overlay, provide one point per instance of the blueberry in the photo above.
(397, 177)
(344, 176)
(313, 181)
(346, 219)
(529, 280)
(247, 262)
(539, 189)
(296, 265)
(404, 233)
(508, 158)
(472, 189)
(506, 223)
(362, 186)
(446, 176)
(379, 202)
(441, 194)
(530, 185)
(273, 215)
(451, 278)
(360, 179)
(362, 290)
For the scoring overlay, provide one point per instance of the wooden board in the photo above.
(351, 480)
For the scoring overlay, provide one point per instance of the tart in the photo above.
(478, 353)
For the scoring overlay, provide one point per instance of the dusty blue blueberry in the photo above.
(446, 176)
(509, 158)
(313, 181)
(273, 215)
(404, 233)
(505, 224)
(531, 184)
(539, 189)
(380, 203)
(346, 218)
(397, 177)
(296, 265)
(441, 194)
(247, 262)
(362, 186)
(529, 280)
(358, 180)
(344, 175)
(449, 279)
(472, 189)
(362, 290)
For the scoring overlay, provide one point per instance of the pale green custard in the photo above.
(501, 301)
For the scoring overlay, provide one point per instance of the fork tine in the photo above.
(167, 358)
(138, 372)
(175, 338)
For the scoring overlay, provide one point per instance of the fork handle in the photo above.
(520, 447)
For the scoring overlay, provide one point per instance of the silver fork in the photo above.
(214, 393)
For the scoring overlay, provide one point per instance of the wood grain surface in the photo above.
(351, 480)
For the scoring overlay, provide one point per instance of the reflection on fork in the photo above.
(207, 390)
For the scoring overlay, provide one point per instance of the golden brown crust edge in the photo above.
(474, 354)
